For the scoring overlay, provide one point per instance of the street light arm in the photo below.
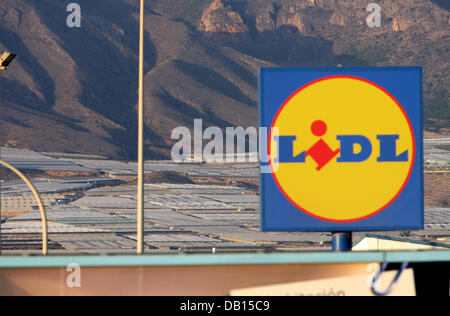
(39, 202)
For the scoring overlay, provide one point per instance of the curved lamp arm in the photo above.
(39, 201)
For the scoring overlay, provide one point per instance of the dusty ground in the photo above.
(168, 177)
(13, 213)
(173, 177)
(250, 184)
(6, 174)
(442, 133)
(437, 192)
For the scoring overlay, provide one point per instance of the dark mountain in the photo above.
(74, 89)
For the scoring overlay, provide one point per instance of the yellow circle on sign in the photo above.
(316, 115)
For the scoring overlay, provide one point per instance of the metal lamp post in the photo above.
(140, 188)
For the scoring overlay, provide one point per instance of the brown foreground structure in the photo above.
(204, 275)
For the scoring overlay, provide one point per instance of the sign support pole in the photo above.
(342, 241)
(140, 186)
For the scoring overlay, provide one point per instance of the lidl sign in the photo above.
(345, 149)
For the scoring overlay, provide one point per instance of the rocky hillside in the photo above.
(74, 89)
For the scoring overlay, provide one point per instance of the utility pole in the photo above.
(140, 188)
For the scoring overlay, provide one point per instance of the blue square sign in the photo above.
(344, 149)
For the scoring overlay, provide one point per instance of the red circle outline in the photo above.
(413, 143)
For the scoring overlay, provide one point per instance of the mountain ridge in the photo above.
(74, 90)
